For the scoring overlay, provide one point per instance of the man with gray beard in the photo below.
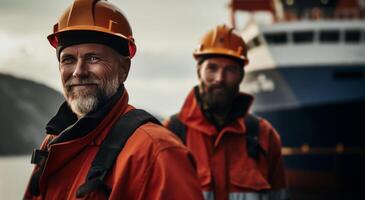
(97, 145)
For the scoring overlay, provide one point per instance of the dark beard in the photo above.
(218, 103)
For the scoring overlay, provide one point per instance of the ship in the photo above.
(307, 74)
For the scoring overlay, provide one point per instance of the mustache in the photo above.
(217, 86)
(81, 81)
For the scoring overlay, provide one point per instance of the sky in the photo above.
(166, 33)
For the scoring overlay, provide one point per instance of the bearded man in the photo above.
(97, 145)
(238, 154)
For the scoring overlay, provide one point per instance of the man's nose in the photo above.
(219, 76)
(80, 70)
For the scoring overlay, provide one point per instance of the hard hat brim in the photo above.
(220, 51)
(53, 38)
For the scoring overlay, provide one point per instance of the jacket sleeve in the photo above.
(277, 175)
(172, 176)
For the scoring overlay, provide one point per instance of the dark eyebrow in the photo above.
(69, 55)
(212, 65)
(92, 54)
(233, 66)
(66, 55)
(100, 55)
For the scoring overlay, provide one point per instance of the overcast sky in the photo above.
(166, 33)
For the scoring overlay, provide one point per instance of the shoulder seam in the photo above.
(153, 160)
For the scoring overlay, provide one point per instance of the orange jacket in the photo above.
(152, 165)
(224, 168)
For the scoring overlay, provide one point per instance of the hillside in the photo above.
(25, 108)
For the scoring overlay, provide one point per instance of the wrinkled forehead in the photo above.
(89, 48)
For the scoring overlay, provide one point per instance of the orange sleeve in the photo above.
(277, 177)
(173, 176)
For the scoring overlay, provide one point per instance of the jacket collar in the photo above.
(192, 114)
(66, 125)
(72, 135)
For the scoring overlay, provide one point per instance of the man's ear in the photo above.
(124, 71)
(198, 71)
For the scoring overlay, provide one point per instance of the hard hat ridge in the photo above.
(99, 16)
(222, 41)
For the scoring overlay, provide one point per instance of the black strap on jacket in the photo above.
(38, 157)
(177, 127)
(254, 149)
(252, 122)
(110, 149)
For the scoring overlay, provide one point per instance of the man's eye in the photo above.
(93, 59)
(231, 69)
(211, 68)
(67, 60)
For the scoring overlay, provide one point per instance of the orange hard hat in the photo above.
(222, 40)
(97, 16)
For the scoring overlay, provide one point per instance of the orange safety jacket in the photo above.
(152, 165)
(225, 169)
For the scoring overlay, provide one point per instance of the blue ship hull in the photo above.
(319, 114)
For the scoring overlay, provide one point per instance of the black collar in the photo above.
(66, 124)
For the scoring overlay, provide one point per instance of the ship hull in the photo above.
(317, 112)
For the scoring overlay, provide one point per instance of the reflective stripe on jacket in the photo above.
(152, 165)
(271, 195)
(225, 169)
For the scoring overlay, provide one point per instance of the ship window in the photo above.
(303, 37)
(352, 36)
(256, 41)
(329, 36)
(276, 38)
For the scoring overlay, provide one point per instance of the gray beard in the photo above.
(82, 104)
